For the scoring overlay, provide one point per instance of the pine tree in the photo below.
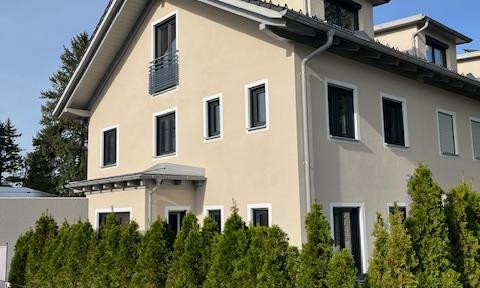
(317, 252)
(46, 230)
(341, 271)
(427, 226)
(155, 256)
(464, 245)
(16, 276)
(60, 148)
(11, 161)
(400, 258)
(127, 255)
(229, 248)
(376, 270)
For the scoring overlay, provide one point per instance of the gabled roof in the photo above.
(420, 20)
(124, 18)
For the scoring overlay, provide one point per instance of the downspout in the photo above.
(414, 37)
(149, 200)
(306, 130)
(307, 7)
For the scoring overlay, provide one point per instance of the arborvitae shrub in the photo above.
(293, 260)
(77, 254)
(231, 245)
(208, 236)
(155, 257)
(427, 226)
(89, 274)
(317, 252)
(376, 269)
(127, 255)
(464, 245)
(55, 274)
(19, 260)
(341, 271)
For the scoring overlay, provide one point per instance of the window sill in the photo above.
(450, 155)
(344, 139)
(211, 138)
(159, 157)
(160, 93)
(253, 129)
(395, 146)
(108, 166)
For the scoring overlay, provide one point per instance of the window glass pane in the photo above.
(402, 209)
(260, 217)
(440, 57)
(175, 219)
(165, 37)
(330, 12)
(121, 218)
(346, 227)
(166, 134)
(173, 33)
(393, 122)
(476, 139)
(446, 129)
(430, 54)
(109, 147)
(213, 117)
(258, 108)
(217, 216)
(341, 112)
(347, 19)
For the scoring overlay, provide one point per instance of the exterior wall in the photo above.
(171, 195)
(367, 172)
(238, 166)
(468, 66)
(398, 38)
(17, 215)
(132, 199)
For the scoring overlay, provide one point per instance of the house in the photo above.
(191, 104)
(20, 208)
(469, 63)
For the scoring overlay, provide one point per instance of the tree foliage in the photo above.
(11, 161)
(342, 272)
(376, 269)
(19, 260)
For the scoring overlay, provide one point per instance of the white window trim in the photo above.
(455, 134)
(363, 239)
(473, 119)
(250, 208)
(169, 209)
(154, 133)
(248, 87)
(392, 204)
(152, 56)
(117, 156)
(405, 120)
(355, 110)
(215, 207)
(206, 138)
(110, 210)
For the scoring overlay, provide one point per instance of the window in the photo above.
(446, 132)
(341, 115)
(476, 138)
(436, 52)
(393, 122)
(216, 214)
(257, 107)
(213, 117)
(260, 214)
(165, 138)
(342, 13)
(175, 219)
(122, 218)
(346, 226)
(109, 151)
(401, 207)
(165, 37)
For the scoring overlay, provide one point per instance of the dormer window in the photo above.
(436, 52)
(343, 13)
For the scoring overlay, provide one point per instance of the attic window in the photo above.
(343, 13)
(436, 52)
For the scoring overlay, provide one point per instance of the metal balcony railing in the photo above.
(163, 73)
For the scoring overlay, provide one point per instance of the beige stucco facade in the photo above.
(469, 63)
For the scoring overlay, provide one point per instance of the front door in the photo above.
(347, 232)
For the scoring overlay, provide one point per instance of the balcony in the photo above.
(163, 73)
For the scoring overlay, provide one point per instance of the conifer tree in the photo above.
(341, 271)
(427, 226)
(127, 255)
(76, 254)
(376, 269)
(400, 258)
(16, 276)
(89, 273)
(155, 256)
(293, 260)
(11, 161)
(208, 236)
(317, 252)
(55, 272)
(229, 248)
(464, 245)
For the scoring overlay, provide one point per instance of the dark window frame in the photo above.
(109, 158)
(336, 107)
(254, 112)
(437, 45)
(348, 5)
(102, 216)
(258, 216)
(159, 151)
(356, 234)
(454, 133)
(179, 215)
(213, 126)
(474, 148)
(170, 24)
(402, 207)
(394, 120)
(216, 214)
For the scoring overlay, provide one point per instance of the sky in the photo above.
(27, 61)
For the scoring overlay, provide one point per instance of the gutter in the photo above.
(414, 37)
(305, 116)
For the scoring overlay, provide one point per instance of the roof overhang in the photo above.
(468, 56)
(420, 20)
(153, 176)
(124, 17)
(379, 2)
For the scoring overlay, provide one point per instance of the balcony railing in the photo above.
(163, 73)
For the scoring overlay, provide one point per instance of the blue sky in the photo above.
(33, 33)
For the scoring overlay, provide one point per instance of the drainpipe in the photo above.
(306, 130)
(415, 52)
(149, 200)
(307, 7)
